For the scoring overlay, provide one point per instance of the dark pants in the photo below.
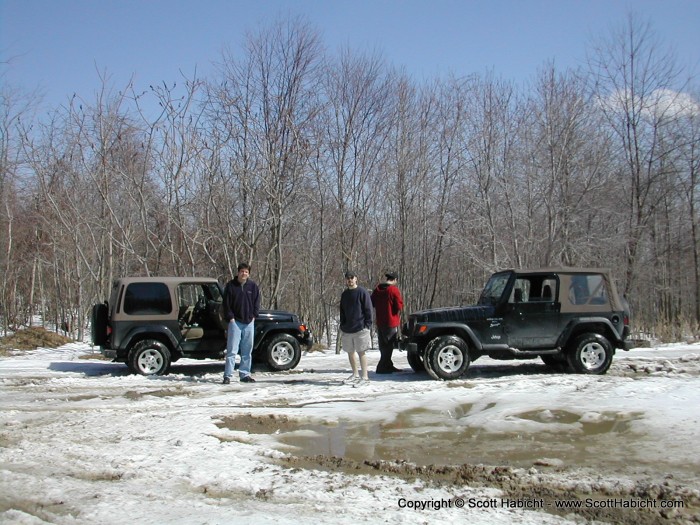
(387, 339)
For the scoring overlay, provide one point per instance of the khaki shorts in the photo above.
(357, 342)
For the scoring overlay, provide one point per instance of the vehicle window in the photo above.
(549, 288)
(588, 289)
(214, 292)
(521, 291)
(114, 296)
(147, 299)
(187, 294)
(494, 289)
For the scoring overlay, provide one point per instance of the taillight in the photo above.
(422, 329)
(626, 320)
(302, 327)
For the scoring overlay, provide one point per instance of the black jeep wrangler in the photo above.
(150, 322)
(572, 318)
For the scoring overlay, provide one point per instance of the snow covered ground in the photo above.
(82, 441)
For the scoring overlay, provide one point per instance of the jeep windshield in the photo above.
(493, 291)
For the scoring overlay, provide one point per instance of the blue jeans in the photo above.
(239, 339)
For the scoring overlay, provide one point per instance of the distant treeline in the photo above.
(305, 163)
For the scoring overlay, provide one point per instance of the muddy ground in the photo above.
(79, 437)
(544, 480)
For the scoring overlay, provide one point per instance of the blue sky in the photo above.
(58, 46)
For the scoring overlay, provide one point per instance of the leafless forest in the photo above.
(305, 163)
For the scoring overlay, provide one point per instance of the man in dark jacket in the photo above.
(241, 307)
(388, 303)
(355, 322)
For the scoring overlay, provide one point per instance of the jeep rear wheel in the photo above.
(282, 352)
(447, 357)
(149, 357)
(556, 362)
(590, 354)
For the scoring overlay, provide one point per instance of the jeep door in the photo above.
(532, 317)
(200, 327)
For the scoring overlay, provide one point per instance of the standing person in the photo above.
(355, 323)
(241, 307)
(388, 303)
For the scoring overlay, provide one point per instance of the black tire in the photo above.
(590, 354)
(149, 357)
(416, 362)
(447, 357)
(556, 362)
(282, 352)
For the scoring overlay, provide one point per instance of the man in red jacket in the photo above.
(388, 303)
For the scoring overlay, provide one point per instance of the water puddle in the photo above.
(429, 437)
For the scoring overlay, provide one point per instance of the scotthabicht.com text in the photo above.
(536, 503)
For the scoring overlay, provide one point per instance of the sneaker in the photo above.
(350, 380)
(247, 379)
(226, 381)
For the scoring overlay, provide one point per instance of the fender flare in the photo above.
(574, 324)
(274, 329)
(152, 332)
(460, 330)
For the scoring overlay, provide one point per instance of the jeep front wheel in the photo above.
(590, 354)
(282, 352)
(447, 357)
(149, 357)
(416, 362)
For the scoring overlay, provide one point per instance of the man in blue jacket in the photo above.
(241, 307)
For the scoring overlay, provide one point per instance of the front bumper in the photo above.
(308, 339)
(405, 345)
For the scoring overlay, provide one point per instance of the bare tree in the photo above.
(490, 138)
(176, 153)
(267, 101)
(631, 70)
(354, 131)
(566, 151)
(16, 117)
(684, 139)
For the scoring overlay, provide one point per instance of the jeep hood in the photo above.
(458, 314)
(277, 316)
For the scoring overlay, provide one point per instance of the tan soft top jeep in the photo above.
(150, 322)
(570, 317)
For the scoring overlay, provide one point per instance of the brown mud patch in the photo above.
(421, 436)
(518, 484)
(605, 499)
(171, 392)
(269, 424)
(29, 339)
(685, 366)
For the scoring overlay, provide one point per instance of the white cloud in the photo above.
(663, 104)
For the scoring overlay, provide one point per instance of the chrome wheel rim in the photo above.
(592, 356)
(282, 353)
(450, 359)
(150, 361)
